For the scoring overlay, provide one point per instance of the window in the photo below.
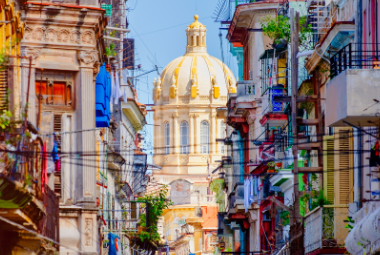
(222, 136)
(167, 137)
(184, 137)
(204, 137)
(54, 92)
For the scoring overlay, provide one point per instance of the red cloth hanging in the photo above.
(44, 176)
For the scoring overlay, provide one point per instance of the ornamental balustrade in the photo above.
(319, 229)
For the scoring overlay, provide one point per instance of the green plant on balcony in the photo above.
(110, 50)
(278, 29)
(157, 203)
(271, 167)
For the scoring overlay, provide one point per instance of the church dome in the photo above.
(195, 75)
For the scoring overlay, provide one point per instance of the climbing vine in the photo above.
(157, 203)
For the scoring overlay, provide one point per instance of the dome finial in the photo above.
(196, 17)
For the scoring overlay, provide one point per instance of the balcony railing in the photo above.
(319, 229)
(209, 199)
(241, 253)
(349, 57)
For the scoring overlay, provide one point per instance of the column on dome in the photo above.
(175, 134)
(197, 140)
(212, 133)
(158, 137)
(216, 130)
(191, 134)
(188, 37)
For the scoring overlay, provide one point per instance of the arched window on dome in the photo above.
(204, 137)
(222, 135)
(184, 137)
(167, 137)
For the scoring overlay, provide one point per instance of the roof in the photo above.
(243, 18)
(67, 5)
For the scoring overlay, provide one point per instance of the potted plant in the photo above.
(271, 167)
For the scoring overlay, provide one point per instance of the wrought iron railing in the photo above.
(319, 229)
(349, 57)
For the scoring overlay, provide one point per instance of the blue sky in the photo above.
(158, 27)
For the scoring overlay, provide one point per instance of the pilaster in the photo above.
(197, 134)
(85, 117)
(191, 134)
(175, 132)
(213, 133)
(34, 53)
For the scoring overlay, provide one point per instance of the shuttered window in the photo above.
(338, 167)
(344, 165)
(328, 168)
(3, 89)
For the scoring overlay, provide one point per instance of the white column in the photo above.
(176, 134)
(85, 117)
(212, 133)
(191, 134)
(25, 79)
(216, 130)
(197, 137)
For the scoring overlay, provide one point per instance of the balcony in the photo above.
(245, 100)
(320, 231)
(202, 199)
(351, 94)
(273, 111)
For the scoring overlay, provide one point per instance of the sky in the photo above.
(158, 27)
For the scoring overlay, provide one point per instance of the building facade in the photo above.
(190, 96)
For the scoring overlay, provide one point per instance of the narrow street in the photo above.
(224, 127)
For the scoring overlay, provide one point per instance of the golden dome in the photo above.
(196, 75)
(196, 23)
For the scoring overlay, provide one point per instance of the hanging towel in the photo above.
(251, 187)
(125, 98)
(125, 76)
(55, 156)
(113, 244)
(117, 89)
(246, 194)
(44, 176)
(113, 87)
(259, 185)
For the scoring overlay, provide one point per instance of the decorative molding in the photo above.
(63, 35)
(54, 34)
(75, 36)
(28, 33)
(38, 33)
(87, 56)
(88, 232)
(251, 216)
(50, 35)
(88, 37)
(30, 52)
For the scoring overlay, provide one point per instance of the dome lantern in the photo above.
(195, 77)
(196, 37)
